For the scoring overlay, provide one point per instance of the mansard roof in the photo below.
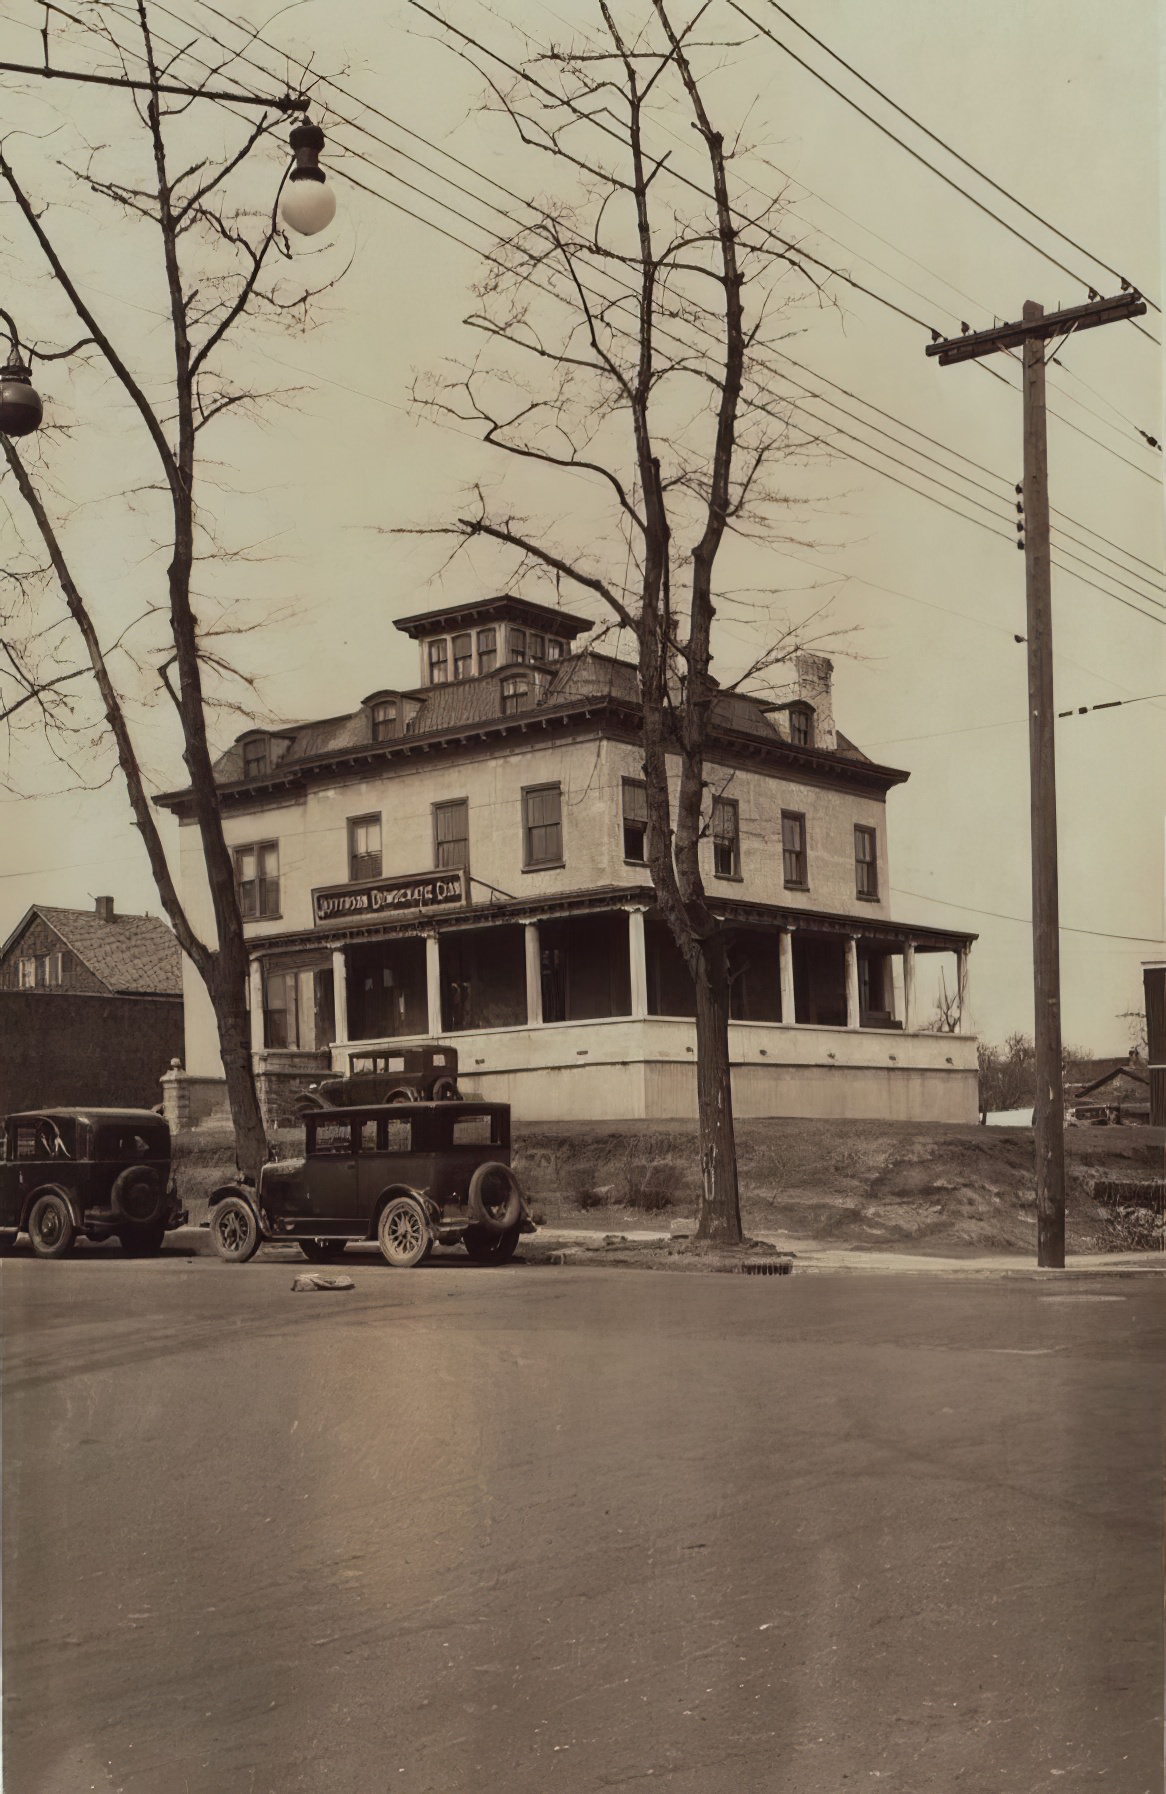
(576, 690)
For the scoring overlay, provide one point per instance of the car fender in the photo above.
(76, 1209)
(429, 1209)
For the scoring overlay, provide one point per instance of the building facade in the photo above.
(464, 861)
(90, 1008)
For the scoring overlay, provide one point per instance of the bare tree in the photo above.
(625, 329)
(221, 261)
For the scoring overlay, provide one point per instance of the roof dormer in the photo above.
(466, 641)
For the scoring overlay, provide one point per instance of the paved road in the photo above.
(527, 1530)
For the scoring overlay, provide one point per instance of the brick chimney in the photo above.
(815, 685)
(104, 908)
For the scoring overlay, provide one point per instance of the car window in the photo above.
(129, 1143)
(474, 1130)
(28, 1141)
(366, 1136)
(331, 1137)
(398, 1135)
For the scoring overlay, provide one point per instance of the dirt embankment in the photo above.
(851, 1183)
(883, 1185)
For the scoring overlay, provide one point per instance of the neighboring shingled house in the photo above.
(90, 1008)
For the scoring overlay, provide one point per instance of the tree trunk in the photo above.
(234, 1025)
(720, 1209)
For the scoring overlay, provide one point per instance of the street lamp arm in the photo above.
(287, 102)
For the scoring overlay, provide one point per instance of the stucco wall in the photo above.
(312, 832)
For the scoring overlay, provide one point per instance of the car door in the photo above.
(386, 1157)
(330, 1202)
(9, 1181)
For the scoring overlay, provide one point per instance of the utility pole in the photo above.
(1031, 334)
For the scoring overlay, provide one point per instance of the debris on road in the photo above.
(316, 1280)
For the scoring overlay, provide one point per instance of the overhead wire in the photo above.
(476, 249)
(980, 205)
(1006, 192)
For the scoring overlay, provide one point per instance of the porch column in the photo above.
(961, 980)
(340, 992)
(433, 984)
(852, 1006)
(637, 964)
(534, 976)
(255, 977)
(908, 987)
(785, 954)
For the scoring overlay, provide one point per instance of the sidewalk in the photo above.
(812, 1256)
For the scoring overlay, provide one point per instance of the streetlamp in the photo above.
(20, 407)
(308, 204)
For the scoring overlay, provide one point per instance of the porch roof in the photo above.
(878, 931)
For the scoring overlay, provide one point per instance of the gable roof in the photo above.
(1136, 1075)
(132, 955)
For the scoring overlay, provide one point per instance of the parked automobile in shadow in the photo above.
(412, 1074)
(68, 1173)
(410, 1175)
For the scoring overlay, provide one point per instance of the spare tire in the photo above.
(494, 1200)
(138, 1195)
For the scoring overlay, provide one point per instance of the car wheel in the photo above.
(319, 1252)
(403, 1233)
(446, 1091)
(234, 1230)
(142, 1242)
(50, 1227)
(494, 1199)
(491, 1248)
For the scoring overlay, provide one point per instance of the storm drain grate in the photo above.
(767, 1268)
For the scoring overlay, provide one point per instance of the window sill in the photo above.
(275, 916)
(641, 864)
(730, 878)
(789, 887)
(546, 866)
(867, 897)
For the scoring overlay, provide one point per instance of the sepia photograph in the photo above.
(582, 943)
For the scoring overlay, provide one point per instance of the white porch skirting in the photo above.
(627, 1069)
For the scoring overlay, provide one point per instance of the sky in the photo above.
(924, 602)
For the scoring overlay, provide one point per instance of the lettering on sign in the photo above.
(383, 896)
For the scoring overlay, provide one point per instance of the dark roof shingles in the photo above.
(135, 955)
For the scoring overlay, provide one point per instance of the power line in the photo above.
(943, 143)
(1112, 704)
(918, 157)
(971, 909)
(473, 249)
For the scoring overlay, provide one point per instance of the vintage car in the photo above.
(413, 1074)
(96, 1172)
(408, 1175)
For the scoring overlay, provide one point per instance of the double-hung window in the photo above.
(280, 1010)
(257, 880)
(487, 650)
(866, 861)
(516, 646)
(384, 719)
(364, 847)
(514, 695)
(554, 648)
(542, 820)
(537, 647)
(254, 759)
(463, 656)
(726, 832)
(801, 725)
(451, 835)
(793, 850)
(439, 662)
(635, 821)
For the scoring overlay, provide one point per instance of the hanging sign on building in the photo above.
(388, 896)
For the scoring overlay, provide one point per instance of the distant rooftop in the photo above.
(132, 955)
